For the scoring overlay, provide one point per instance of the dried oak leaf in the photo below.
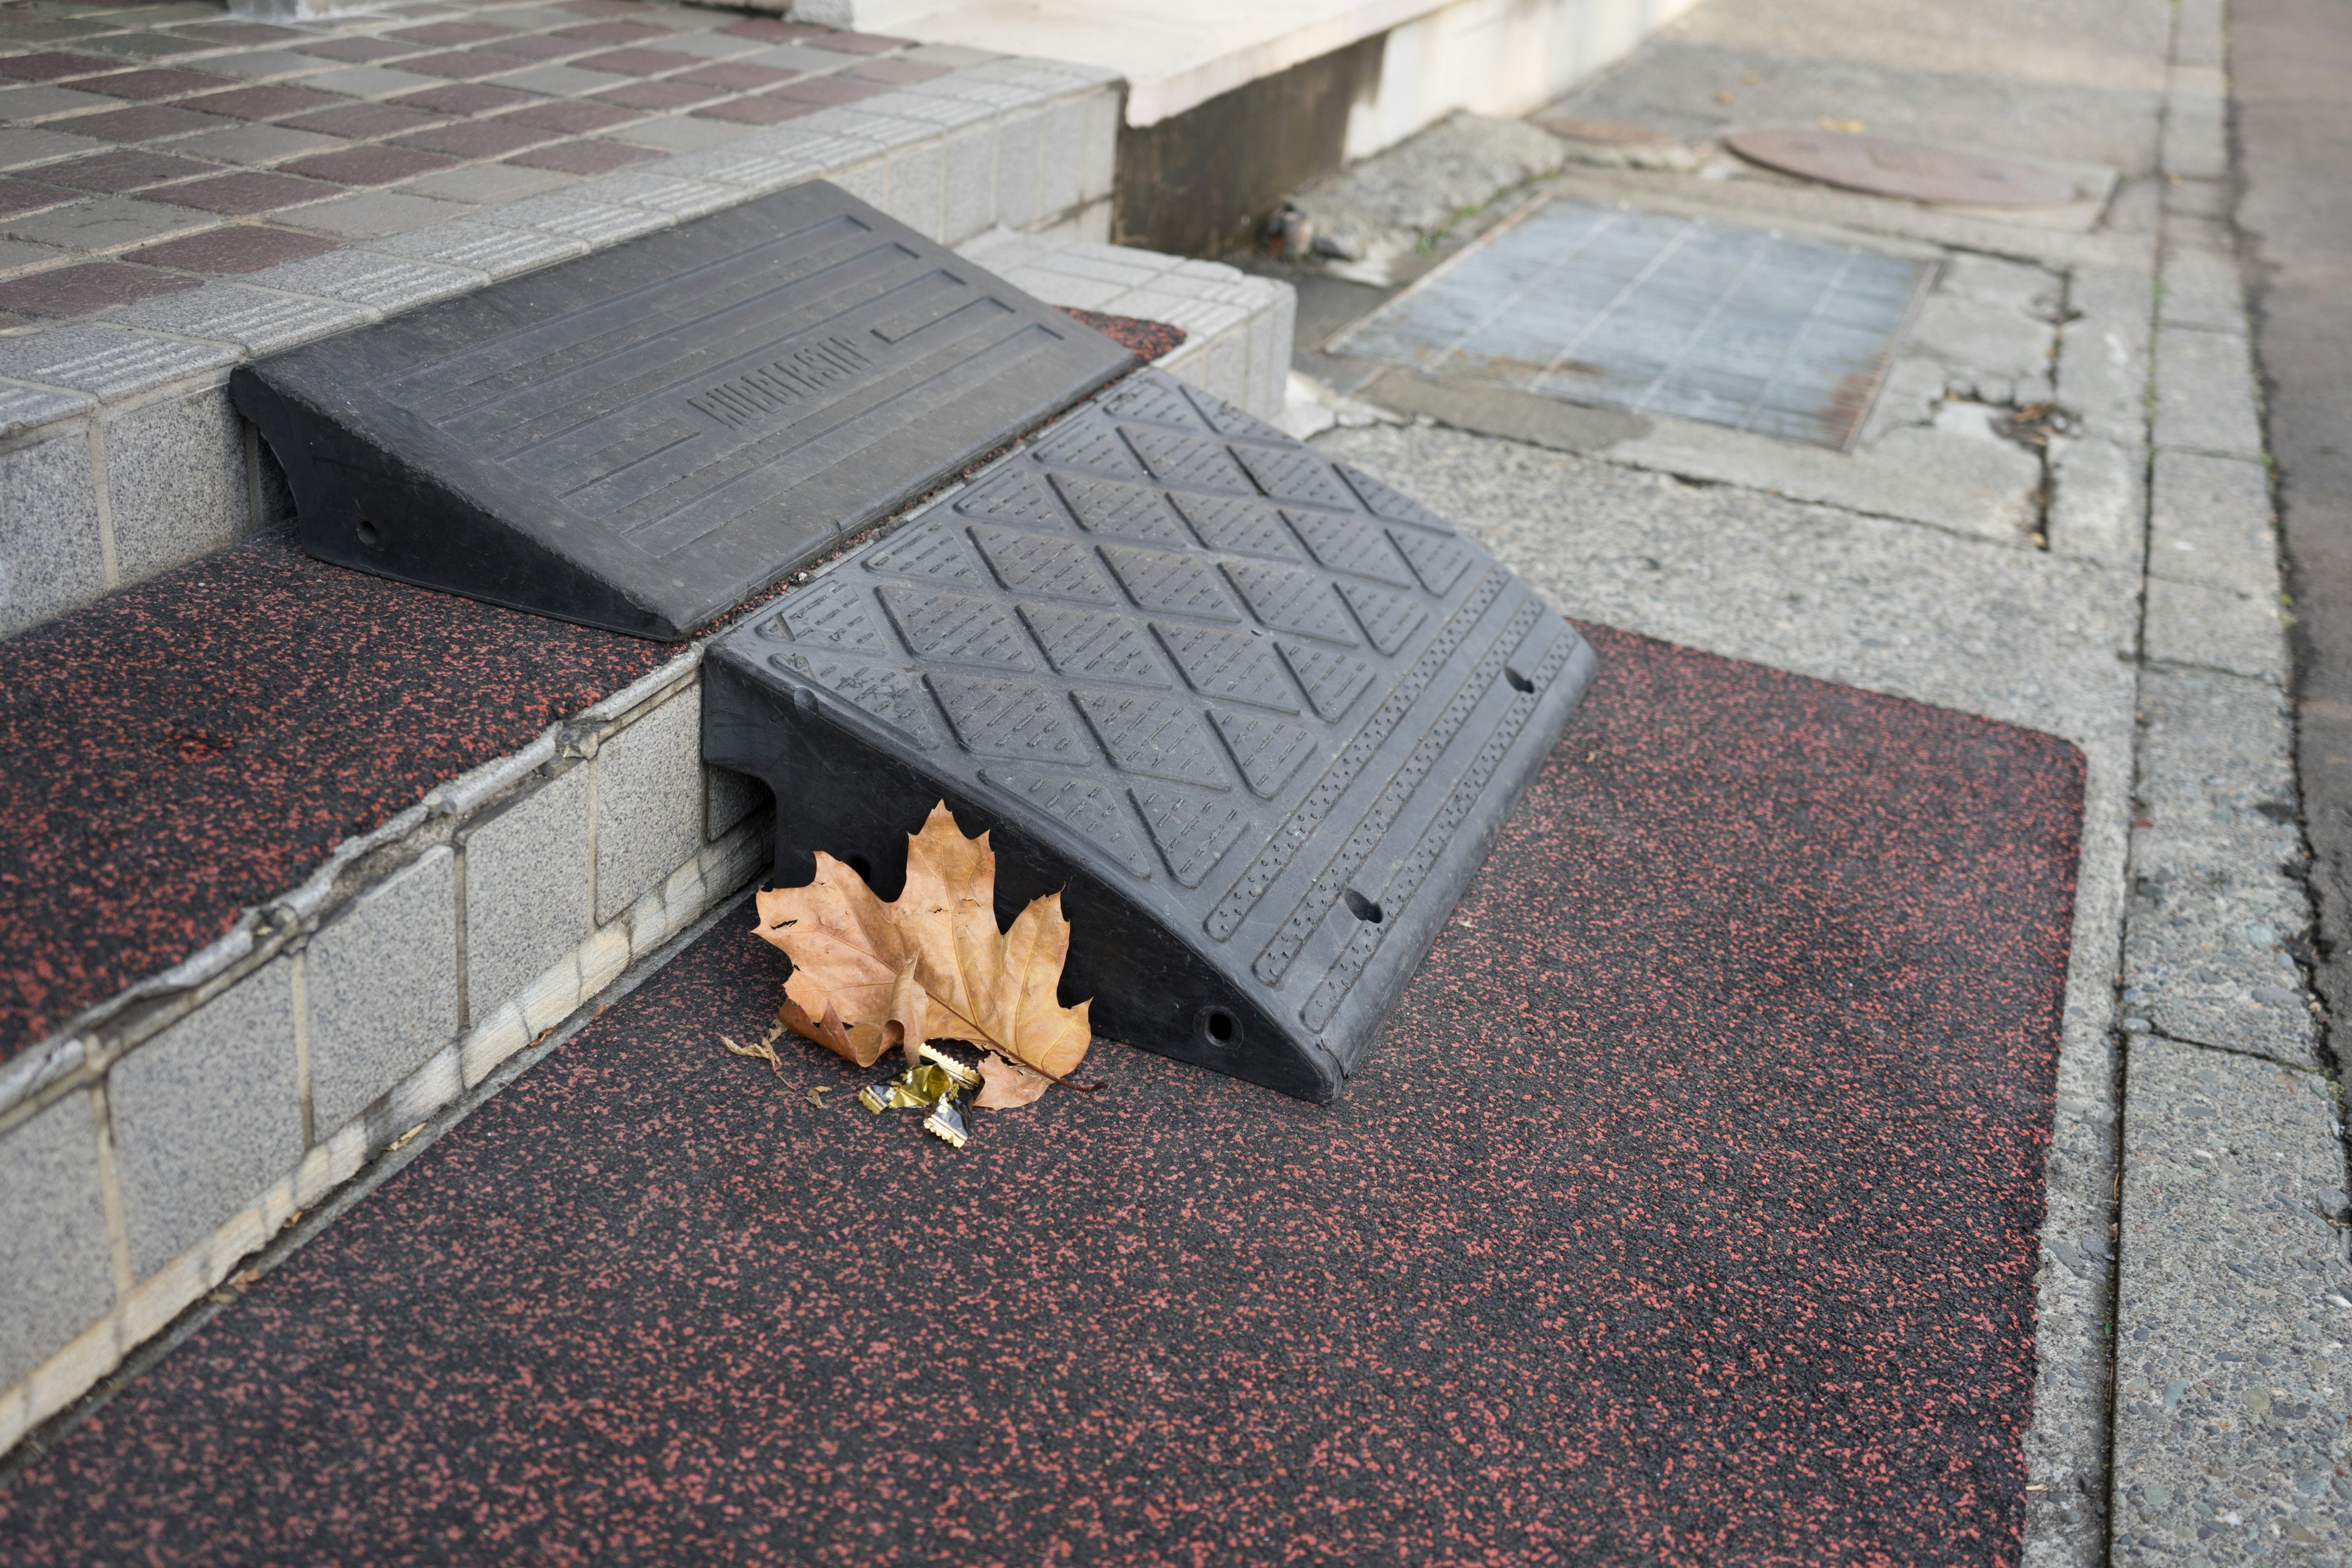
(868, 975)
(1007, 1086)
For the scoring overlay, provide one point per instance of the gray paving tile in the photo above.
(107, 224)
(253, 319)
(371, 215)
(23, 145)
(268, 65)
(25, 105)
(598, 222)
(24, 408)
(481, 248)
(374, 81)
(106, 362)
(256, 144)
(681, 133)
(679, 198)
(489, 183)
(362, 278)
(566, 82)
(2234, 1301)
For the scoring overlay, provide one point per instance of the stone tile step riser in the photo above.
(136, 1181)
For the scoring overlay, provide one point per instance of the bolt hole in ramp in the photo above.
(1655, 314)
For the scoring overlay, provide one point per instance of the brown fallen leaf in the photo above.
(1008, 1086)
(868, 975)
(817, 1091)
(762, 1051)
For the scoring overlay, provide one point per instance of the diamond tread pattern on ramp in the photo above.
(1207, 628)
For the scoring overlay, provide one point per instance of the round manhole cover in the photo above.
(1912, 170)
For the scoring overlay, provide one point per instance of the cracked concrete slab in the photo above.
(2209, 521)
(2209, 950)
(2232, 1373)
(2213, 628)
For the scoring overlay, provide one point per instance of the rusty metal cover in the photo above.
(645, 437)
(1255, 715)
(1914, 171)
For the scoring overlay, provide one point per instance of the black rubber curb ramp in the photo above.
(642, 438)
(1257, 716)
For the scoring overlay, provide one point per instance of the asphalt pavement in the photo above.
(2291, 93)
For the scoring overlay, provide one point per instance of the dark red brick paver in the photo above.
(53, 66)
(671, 93)
(369, 165)
(768, 29)
(585, 157)
(240, 195)
(18, 197)
(264, 103)
(152, 84)
(234, 248)
(534, 47)
(574, 117)
(468, 98)
(108, 172)
(151, 122)
(78, 291)
(612, 33)
(363, 122)
(828, 89)
(448, 35)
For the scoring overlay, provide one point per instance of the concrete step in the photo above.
(120, 455)
(167, 1125)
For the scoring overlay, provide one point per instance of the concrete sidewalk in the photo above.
(2114, 581)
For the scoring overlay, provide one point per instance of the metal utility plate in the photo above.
(1914, 171)
(1255, 714)
(642, 438)
(1657, 315)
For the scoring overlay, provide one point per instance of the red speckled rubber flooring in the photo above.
(202, 742)
(1686, 1215)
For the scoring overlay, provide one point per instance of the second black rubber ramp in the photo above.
(1257, 716)
(642, 438)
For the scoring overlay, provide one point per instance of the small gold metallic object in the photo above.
(946, 1123)
(964, 1076)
